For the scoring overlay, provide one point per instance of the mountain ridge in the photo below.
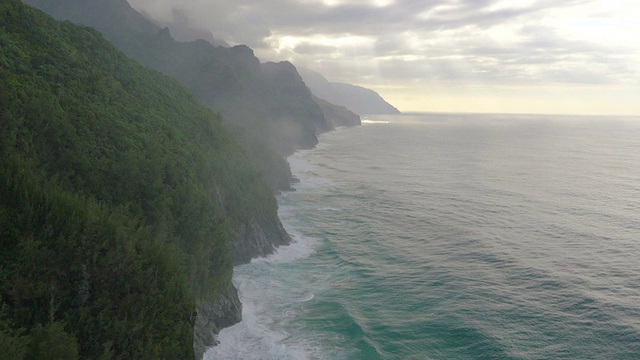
(124, 203)
(361, 100)
(228, 80)
(266, 106)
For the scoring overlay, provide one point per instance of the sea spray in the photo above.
(270, 297)
(445, 236)
(268, 291)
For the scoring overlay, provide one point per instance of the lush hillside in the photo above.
(228, 80)
(298, 115)
(360, 100)
(120, 200)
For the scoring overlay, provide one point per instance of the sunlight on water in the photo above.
(453, 237)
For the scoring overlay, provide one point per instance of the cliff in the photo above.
(358, 99)
(228, 80)
(288, 84)
(267, 107)
(337, 115)
(124, 202)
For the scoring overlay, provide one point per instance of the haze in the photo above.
(521, 56)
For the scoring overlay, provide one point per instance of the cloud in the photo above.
(307, 48)
(443, 41)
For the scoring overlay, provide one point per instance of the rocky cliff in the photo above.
(227, 80)
(266, 106)
(358, 99)
(337, 115)
(124, 202)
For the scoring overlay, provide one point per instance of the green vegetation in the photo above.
(120, 197)
(269, 101)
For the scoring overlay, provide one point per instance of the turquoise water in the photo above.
(441, 236)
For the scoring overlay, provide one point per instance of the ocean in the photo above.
(453, 236)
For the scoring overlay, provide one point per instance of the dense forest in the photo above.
(121, 198)
(272, 111)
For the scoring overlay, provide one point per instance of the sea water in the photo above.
(453, 236)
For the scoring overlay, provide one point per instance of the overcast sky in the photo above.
(532, 56)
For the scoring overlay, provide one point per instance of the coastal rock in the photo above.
(257, 240)
(214, 316)
(337, 115)
(358, 99)
(268, 102)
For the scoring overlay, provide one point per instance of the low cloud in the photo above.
(448, 41)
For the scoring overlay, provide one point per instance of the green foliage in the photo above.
(119, 196)
(13, 342)
(52, 342)
(274, 167)
(269, 101)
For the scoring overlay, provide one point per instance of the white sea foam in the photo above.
(312, 183)
(299, 164)
(307, 174)
(249, 340)
(271, 293)
(308, 298)
(268, 302)
(301, 247)
(369, 122)
(505, 247)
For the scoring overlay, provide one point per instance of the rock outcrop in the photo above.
(358, 99)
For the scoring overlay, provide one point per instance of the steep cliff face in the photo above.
(120, 172)
(299, 115)
(266, 106)
(363, 101)
(337, 115)
(358, 99)
(261, 242)
(121, 202)
(229, 80)
(214, 316)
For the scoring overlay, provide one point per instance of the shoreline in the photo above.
(249, 329)
(299, 247)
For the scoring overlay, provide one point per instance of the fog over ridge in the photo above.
(452, 51)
